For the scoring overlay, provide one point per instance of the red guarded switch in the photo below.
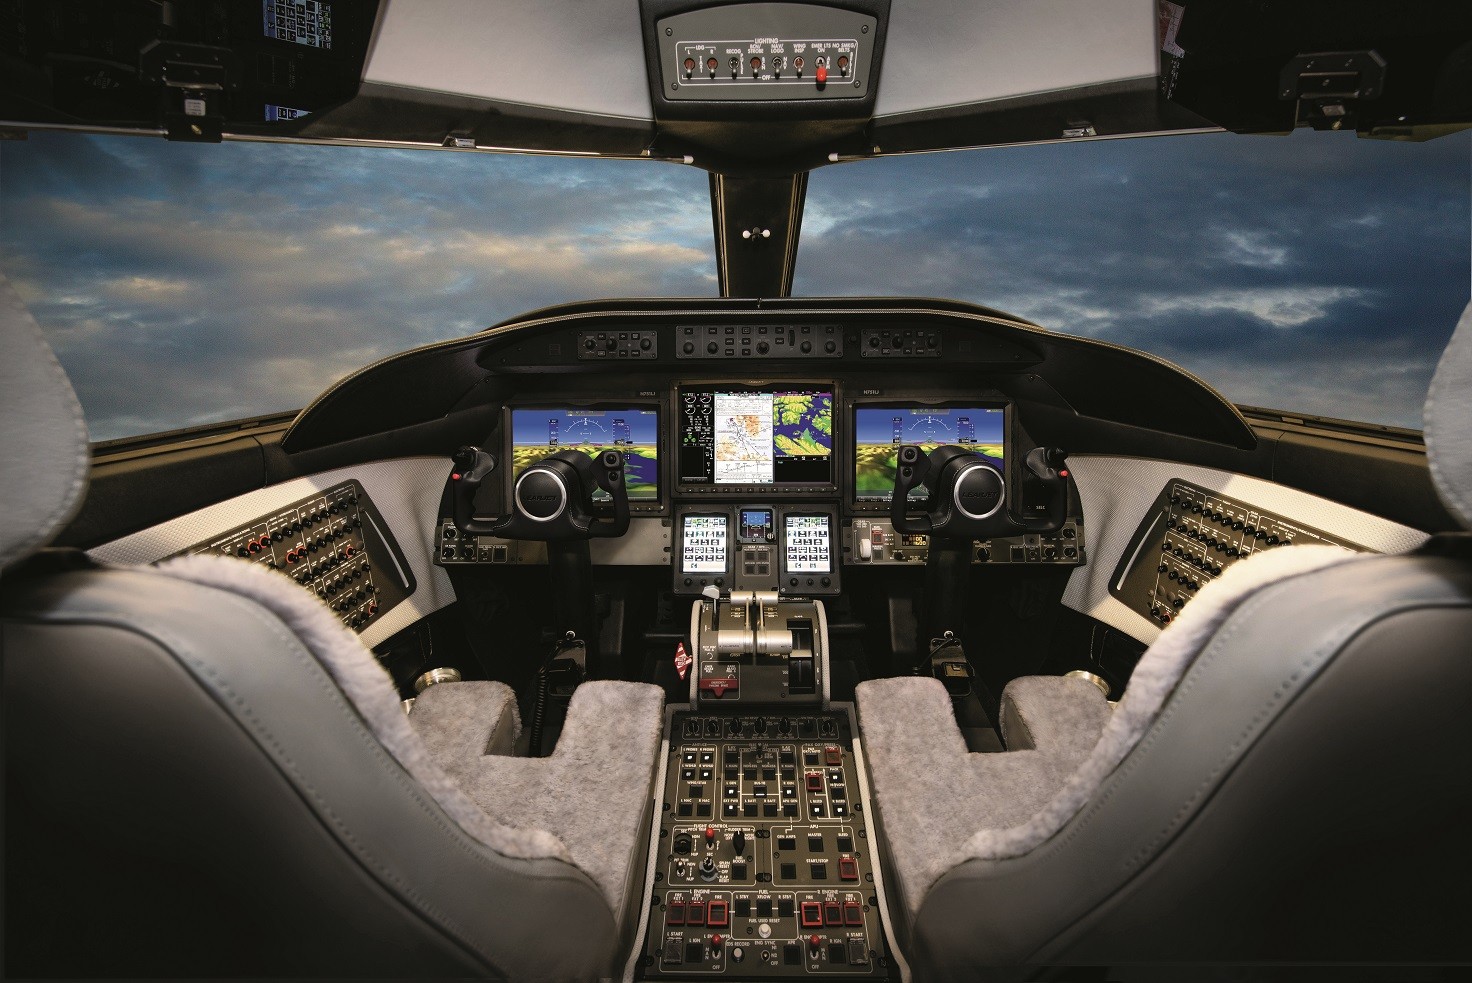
(848, 869)
(695, 913)
(833, 913)
(676, 913)
(815, 782)
(812, 914)
(716, 915)
(853, 913)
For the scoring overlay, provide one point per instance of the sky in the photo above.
(185, 284)
(1317, 272)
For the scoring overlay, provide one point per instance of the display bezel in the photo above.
(731, 545)
(945, 402)
(776, 488)
(659, 505)
(833, 543)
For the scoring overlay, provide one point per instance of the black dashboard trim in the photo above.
(427, 383)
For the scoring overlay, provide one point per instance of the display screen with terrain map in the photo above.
(732, 436)
(879, 431)
(537, 433)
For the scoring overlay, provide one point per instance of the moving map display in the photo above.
(536, 433)
(879, 432)
(753, 437)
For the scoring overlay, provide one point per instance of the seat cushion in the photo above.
(460, 721)
(592, 792)
(942, 806)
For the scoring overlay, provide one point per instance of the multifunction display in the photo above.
(808, 544)
(879, 431)
(732, 437)
(703, 544)
(537, 433)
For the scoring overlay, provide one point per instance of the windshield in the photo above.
(1317, 273)
(188, 284)
(185, 284)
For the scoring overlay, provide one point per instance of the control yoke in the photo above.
(551, 500)
(968, 494)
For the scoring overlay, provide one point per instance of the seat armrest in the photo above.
(462, 721)
(1058, 715)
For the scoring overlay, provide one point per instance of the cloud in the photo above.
(184, 284)
(1316, 273)
(1280, 307)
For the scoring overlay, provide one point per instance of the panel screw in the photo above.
(865, 29)
(674, 85)
(668, 31)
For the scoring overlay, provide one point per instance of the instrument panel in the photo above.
(762, 484)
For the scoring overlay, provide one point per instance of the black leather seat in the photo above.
(1286, 778)
(206, 775)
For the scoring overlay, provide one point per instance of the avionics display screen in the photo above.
(756, 526)
(808, 544)
(731, 436)
(537, 433)
(307, 22)
(880, 430)
(703, 544)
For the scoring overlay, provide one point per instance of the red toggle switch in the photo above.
(710, 835)
(821, 75)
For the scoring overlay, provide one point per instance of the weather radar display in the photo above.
(880, 431)
(537, 433)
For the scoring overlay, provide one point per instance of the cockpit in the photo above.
(758, 634)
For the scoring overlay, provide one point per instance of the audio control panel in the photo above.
(1189, 536)
(874, 542)
(766, 859)
(335, 544)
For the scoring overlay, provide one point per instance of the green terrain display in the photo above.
(877, 465)
(802, 424)
(641, 464)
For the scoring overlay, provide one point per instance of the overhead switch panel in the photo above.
(766, 52)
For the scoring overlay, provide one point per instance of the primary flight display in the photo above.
(879, 431)
(536, 433)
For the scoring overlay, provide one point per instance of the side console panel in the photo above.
(335, 544)
(397, 500)
(1189, 537)
(1122, 498)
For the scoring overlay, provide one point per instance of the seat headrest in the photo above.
(1448, 423)
(43, 439)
